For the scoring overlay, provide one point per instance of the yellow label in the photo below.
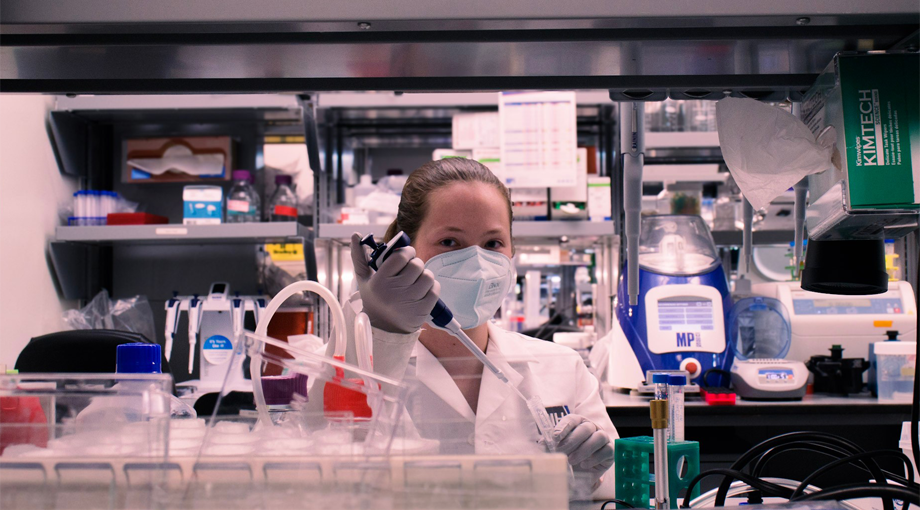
(285, 252)
(883, 324)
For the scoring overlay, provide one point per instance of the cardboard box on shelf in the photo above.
(178, 159)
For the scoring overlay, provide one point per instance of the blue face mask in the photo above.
(473, 282)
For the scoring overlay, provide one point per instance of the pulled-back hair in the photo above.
(413, 206)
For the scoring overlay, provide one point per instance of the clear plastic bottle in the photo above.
(283, 205)
(243, 203)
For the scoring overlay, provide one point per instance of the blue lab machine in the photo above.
(679, 321)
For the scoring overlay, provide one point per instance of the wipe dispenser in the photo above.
(634, 481)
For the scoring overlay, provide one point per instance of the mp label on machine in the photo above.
(217, 349)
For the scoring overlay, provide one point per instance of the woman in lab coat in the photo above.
(458, 216)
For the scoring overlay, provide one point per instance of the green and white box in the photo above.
(873, 103)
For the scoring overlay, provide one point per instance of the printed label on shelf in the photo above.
(284, 210)
(240, 206)
(285, 252)
(171, 231)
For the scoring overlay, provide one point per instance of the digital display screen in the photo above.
(218, 288)
(776, 374)
(685, 314)
(847, 306)
(846, 303)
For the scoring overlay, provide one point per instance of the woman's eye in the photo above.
(494, 244)
(448, 243)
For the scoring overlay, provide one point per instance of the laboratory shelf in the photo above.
(681, 139)
(520, 229)
(683, 173)
(760, 237)
(236, 233)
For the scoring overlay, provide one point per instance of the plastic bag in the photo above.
(131, 314)
(767, 149)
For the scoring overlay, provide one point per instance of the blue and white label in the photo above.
(217, 349)
(556, 413)
(689, 339)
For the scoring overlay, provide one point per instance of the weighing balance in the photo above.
(769, 379)
(679, 323)
(820, 321)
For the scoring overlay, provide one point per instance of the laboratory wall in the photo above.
(31, 192)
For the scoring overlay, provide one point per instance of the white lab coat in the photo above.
(502, 424)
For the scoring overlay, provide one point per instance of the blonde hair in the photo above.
(413, 206)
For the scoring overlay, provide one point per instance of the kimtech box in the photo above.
(872, 101)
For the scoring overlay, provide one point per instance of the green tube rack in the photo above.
(635, 483)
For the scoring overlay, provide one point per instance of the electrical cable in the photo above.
(769, 489)
(849, 460)
(617, 502)
(704, 380)
(818, 449)
(835, 453)
(764, 459)
(739, 488)
(871, 490)
(820, 437)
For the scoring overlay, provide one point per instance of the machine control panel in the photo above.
(804, 304)
(685, 318)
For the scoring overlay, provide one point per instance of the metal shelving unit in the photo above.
(760, 237)
(522, 230)
(681, 139)
(227, 233)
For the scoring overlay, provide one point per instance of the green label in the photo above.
(880, 109)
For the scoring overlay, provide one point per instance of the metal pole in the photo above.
(659, 413)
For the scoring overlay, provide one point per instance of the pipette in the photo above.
(443, 319)
(194, 322)
(172, 322)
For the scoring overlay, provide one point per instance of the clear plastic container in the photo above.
(895, 372)
(759, 328)
(283, 205)
(678, 245)
(243, 202)
(84, 415)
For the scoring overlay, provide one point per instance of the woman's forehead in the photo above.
(465, 204)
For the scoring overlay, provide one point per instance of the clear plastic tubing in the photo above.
(676, 383)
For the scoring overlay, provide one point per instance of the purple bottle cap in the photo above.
(242, 175)
(283, 179)
(279, 390)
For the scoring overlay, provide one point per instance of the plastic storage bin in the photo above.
(895, 370)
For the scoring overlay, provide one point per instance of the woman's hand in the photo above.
(399, 297)
(588, 447)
